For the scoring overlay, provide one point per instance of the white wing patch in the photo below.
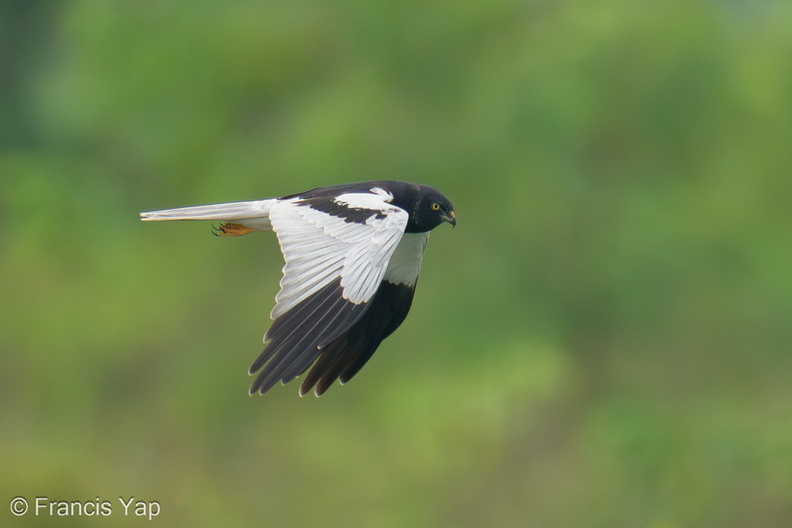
(319, 248)
(371, 200)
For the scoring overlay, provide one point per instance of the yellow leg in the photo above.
(230, 229)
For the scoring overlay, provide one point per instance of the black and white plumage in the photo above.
(353, 253)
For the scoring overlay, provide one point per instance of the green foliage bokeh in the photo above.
(603, 341)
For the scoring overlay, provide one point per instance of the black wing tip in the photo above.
(305, 388)
(260, 388)
(315, 381)
(269, 377)
(257, 387)
(261, 360)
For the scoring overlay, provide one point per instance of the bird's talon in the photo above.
(231, 229)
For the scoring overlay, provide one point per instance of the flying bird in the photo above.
(352, 252)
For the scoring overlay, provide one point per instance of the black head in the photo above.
(429, 209)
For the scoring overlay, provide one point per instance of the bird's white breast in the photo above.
(405, 263)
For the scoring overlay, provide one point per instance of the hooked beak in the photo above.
(450, 218)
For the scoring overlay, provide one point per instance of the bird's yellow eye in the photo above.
(435, 206)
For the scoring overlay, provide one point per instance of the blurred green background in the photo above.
(604, 340)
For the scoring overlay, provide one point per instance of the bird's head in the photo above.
(431, 210)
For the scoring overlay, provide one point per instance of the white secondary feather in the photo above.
(253, 214)
(319, 248)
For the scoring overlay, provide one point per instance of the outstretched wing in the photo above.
(336, 251)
